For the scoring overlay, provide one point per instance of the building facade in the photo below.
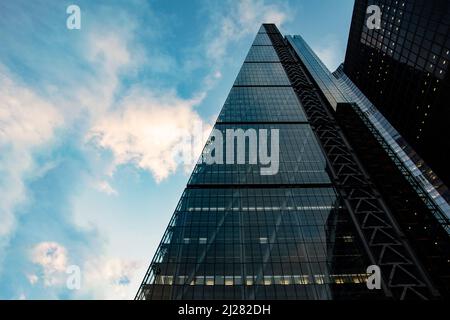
(338, 88)
(402, 68)
(396, 169)
(308, 230)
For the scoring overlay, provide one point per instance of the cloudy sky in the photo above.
(90, 120)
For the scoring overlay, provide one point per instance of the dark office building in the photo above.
(394, 167)
(402, 68)
(308, 230)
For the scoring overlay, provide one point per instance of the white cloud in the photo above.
(110, 278)
(109, 55)
(101, 277)
(32, 279)
(150, 130)
(252, 13)
(228, 27)
(243, 18)
(53, 259)
(27, 122)
(146, 128)
(329, 52)
(110, 51)
(105, 187)
(50, 255)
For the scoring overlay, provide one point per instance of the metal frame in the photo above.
(385, 244)
(418, 188)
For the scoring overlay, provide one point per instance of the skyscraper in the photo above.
(402, 68)
(423, 214)
(311, 228)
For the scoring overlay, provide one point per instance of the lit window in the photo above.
(229, 281)
(263, 240)
(304, 279)
(209, 280)
(267, 280)
(356, 279)
(319, 279)
(348, 239)
(286, 280)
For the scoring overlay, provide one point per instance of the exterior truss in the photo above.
(384, 242)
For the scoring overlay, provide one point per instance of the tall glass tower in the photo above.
(395, 168)
(402, 68)
(307, 231)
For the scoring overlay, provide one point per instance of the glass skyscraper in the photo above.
(307, 231)
(423, 213)
(402, 68)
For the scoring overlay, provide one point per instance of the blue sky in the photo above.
(89, 119)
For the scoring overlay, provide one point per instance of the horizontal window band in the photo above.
(282, 279)
(273, 62)
(259, 186)
(260, 122)
(262, 86)
(262, 62)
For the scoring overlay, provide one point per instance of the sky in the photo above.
(91, 119)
